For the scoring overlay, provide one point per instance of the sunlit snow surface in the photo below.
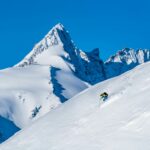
(120, 123)
(55, 71)
(41, 81)
(24, 89)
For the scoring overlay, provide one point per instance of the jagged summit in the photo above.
(59, 26)
(60, 34)
(57, 49)
(129, 55)
(56, 41)
(125, 60)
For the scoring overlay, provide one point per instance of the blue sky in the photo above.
(108, 24)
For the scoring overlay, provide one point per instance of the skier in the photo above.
(103, 96)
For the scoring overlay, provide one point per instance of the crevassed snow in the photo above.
(83, 122)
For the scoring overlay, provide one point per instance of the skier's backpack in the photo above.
(104, 96)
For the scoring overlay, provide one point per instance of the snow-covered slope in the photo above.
(125, 60)
(84, 122)
(53, 72)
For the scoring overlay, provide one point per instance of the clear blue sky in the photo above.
(108, 24)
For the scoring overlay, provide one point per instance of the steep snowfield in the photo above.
(84, 122)
(25, 89)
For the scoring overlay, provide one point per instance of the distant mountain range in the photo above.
(125, 60)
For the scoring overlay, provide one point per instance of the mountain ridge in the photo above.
(65, 48)
(55, 71)
(125, 60)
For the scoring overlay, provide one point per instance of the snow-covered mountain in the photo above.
(84, 122)
(125, 60)
(57, 48)
(53, 72)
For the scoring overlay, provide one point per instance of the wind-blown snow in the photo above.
(83, 122)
